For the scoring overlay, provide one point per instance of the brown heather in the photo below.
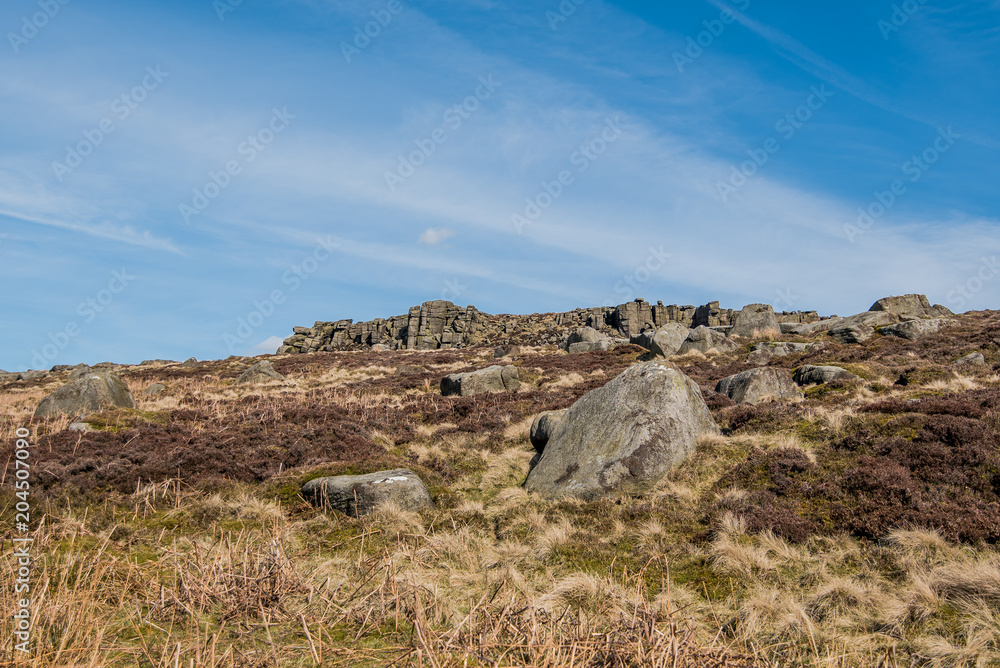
(854, 528)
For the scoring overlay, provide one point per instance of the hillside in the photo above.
(855, 525)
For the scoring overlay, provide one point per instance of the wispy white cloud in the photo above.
(433, 236)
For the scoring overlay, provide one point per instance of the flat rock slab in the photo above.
(755, 385)
(93, 392)
(622, 438)
(358, 495)
(813, 375)
(494, 378)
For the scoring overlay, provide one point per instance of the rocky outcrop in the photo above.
(622, 438)
(813, 375)
(441, 324)
(909, 307)
(93, 392)
(261, 372)
(358, 495)
(756, 385)
(665, 341)
(494, 378)
(754, 320)
(585, 340)
(706, 340)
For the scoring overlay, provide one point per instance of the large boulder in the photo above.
(261, 372)
(813, 375)
(665, 341)
(585, 340)
(543, 426)
(755, 385)
(914, 329)
(79, 371)
(706, 340)
(93, 392)
(909, 307)
(622, 438)
(754, 320)
(358, 495)
(494, 378)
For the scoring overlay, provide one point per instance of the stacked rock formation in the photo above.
(440, 324)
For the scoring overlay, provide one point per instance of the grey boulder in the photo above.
(494, 378)
(93, 392)
(79, 371)
(912, 330)
(622, 438)
(706, 340)
(154, 389)
(358, 495)
(585, 340)
(261, 372)
(665, 341)
(755, 385)
(971, 360)
(813, 375)
(754, 320)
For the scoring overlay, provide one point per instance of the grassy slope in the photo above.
(854, 528)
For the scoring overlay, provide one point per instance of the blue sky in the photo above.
(194, 178)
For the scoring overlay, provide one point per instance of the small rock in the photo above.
(494, 378)
(756, 385)
(589, 346)
(358, 495)
(812, 375)
(972, 359)
(506, 351)
(189, 363)
(261, 372)
(856, 333)
(380, 348)
(31, 375)
(80, 426)
(91, 393)
(154, 389)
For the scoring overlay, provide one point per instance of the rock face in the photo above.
(441, 324)
(261, 372)
(542, 427)
(753, 320)
(812, 375)
(914, 329)
(755, 385)
(89, 394)
(358, 495)
(665, 341)
(622, 438)
(909, 307)
(494, 378)
(707, 340)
